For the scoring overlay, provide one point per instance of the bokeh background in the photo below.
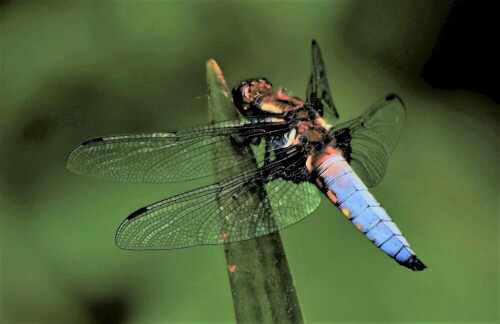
(76, 70)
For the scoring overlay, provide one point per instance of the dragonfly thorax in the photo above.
(256, 97)
(311, 131)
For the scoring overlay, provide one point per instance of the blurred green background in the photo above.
(76, 70)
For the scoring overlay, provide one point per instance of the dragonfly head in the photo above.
(248, 91)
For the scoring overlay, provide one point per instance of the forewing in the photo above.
(171, 157)
(318, 83)
(368, 141)
(230, 211)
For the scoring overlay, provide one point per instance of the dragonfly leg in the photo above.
(245, 141)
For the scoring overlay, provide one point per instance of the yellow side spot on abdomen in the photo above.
(332, 196)
(319, 183)
(346, 212)
(360, 227)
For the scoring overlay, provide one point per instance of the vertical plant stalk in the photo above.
(261, 282)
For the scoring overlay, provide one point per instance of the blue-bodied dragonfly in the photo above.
(294, 152)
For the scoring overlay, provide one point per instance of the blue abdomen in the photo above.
(346, 190)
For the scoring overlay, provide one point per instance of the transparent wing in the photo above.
(368, 141)
(318, 83)
(233, 210)
(171, 157)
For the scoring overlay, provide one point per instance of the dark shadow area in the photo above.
(4, 3)
(466, 53)
(107, 309)
(48, 124)
(67, 111)
(398, 35)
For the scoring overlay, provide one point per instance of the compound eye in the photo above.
(245, 94)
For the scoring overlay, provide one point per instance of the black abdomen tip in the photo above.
(414, 264)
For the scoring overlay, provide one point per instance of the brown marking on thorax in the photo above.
(279, 103)
(313, 129)
(258, 93)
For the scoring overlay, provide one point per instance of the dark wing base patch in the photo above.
(368, 141)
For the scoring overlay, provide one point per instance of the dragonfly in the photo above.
(290, 154)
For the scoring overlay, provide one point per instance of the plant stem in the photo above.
(261, 282)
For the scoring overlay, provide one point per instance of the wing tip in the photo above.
(136, 214)
(414, 263)
(392, 97)
(119, 240)
(73, 153)
(70, 165)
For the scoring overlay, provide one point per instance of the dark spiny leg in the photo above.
(244, 141)
(316, 103)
